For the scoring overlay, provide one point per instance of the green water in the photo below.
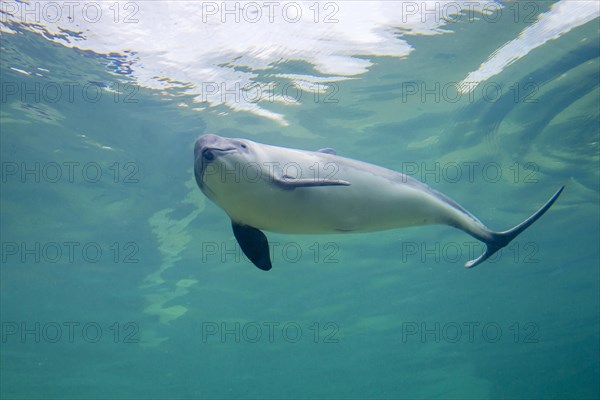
(119, 279)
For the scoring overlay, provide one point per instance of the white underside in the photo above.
(376, 199)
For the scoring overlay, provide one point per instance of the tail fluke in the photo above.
(498, 240)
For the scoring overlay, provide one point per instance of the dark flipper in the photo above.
(496, 240)
(254, 244)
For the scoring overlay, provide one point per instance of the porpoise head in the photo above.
(214, 153)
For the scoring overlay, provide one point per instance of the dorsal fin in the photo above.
(327, 150)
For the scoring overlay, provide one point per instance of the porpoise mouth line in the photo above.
(211, 152)
(220, 150)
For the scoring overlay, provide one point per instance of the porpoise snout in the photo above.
(208, 141)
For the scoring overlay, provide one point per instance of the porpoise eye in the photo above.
(207, 154)
(244, 146)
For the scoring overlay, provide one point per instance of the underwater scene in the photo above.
(197, 199)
